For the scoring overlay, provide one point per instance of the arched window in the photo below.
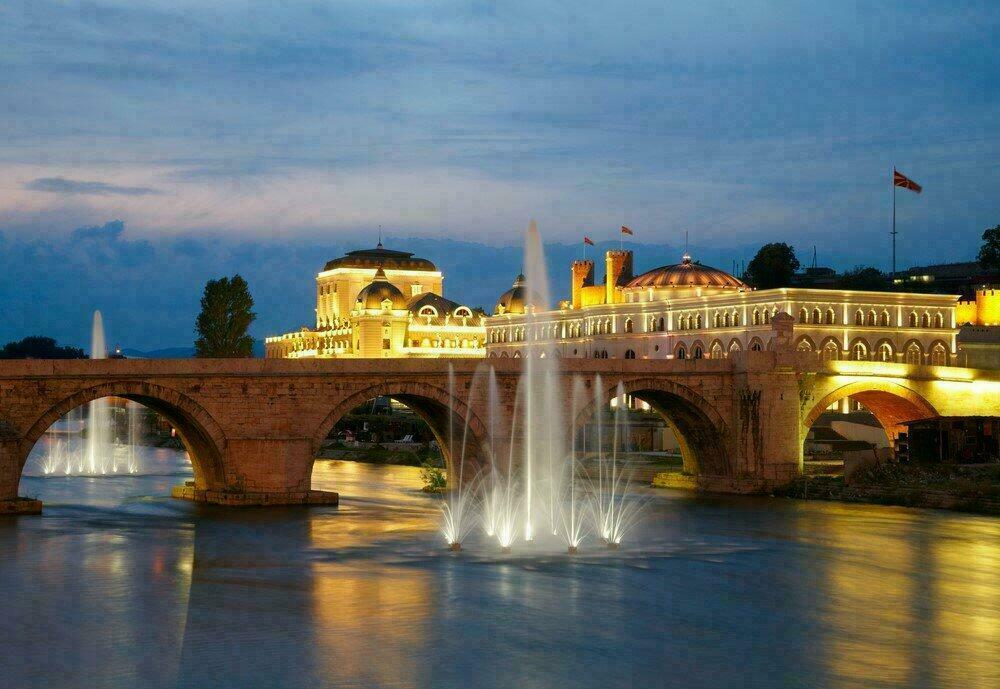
(698, 353)
(629, 354)
(830, 317)
(756, 317)
(699, 322)
(831, 351)
(885, 352)
(871, 318)
(803, 316)
(883, 319)
(728, 320)
(939, 355)
(628, 326)
(859, 318)
(938, 320)
(681, 353)
(859, 352)
(913, 355)
(716, 352)
(662, 324)
(767, 317)
(755, 346)
(736, 320)
(717, 321)
(925, 321)
(804, 345)
(816, 317)
(912, 321)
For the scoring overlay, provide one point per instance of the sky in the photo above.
(150, 145)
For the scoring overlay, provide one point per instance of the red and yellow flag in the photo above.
(901, 180)
(627, 231)
(588, 240)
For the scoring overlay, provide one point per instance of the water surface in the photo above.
(119, 586)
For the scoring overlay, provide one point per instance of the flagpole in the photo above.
(893, 182)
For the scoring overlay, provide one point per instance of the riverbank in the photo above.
(974, 489)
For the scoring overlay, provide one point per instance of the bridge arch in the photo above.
(699, 428)
(431, 403)
(203, 438)
(890, 403)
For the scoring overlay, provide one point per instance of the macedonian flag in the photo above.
(901, 180)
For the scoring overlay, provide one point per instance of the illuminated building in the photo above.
(689, 310)
(380, 303)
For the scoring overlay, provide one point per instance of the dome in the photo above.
(380, 289)
(380, 257)
(514, 299)
(686, 274)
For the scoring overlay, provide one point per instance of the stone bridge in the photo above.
(252, 427)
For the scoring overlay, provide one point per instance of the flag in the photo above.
(901, 180)
(588, 240)
(625, 230)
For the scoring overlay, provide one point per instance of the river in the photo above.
(118, 585)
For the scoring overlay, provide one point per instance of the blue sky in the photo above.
(268, 137)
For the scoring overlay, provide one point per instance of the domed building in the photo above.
(688, 310)
(381, 303)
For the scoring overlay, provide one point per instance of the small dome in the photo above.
(515, 299)
(380, 289)
(686, 274)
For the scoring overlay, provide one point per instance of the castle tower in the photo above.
(583, 276)
(618, 271)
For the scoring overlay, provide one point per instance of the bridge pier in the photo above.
(262, 471)
(11, 454)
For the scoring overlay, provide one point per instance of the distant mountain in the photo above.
(180, 352)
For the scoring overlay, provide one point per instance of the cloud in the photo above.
(61, 185)
(108, 231)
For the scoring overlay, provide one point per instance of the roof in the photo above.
(380, 290)
(443, 307)
(380, 257)
(687, 273)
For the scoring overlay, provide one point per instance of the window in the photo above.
(755, 346)
(939, 355)
(885, 352)
(883, 319)
(736, 320)
(416, 289)
(938, 320)
(728, 320)
(628, 326)
(831, 351)
(699, 322)
(629, 354)
(803, 317)
(859, 318)
(830, 317)
(925, 321)
(756, 317)
(718, 319)
(913, 354)
(697, 353)
(681, 354)
(871, 318)
(662, 324)
(913, 320)
(767, 318)
(859, 352)
(716, 351)
(816, 317)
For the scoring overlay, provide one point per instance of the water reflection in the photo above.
(116, 588)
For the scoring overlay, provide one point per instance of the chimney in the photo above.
(617, 272)
(583, 276)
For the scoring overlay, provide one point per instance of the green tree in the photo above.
(773, 266)
(39, 348)
(863, 278)
(989, 253)
(225, 318)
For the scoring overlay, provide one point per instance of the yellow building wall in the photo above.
(966, 312)
(347, 283)
(988, 306)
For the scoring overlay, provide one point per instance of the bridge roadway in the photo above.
(252, 427)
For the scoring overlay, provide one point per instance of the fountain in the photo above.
(540, 491)
(100, 452)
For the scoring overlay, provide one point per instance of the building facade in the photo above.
(380, 303)
(689, 310)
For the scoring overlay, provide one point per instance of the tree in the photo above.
(773, 266)
(39, 348)
(226, 315)
(989, 253)
(863, 278)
